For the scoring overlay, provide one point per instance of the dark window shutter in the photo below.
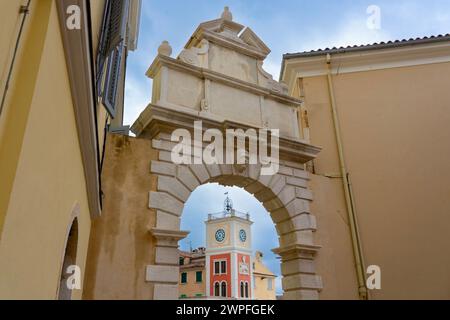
(117, 23)
(112, 34)
(198, 276)
(113, 80)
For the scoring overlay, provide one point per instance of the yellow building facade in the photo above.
(380, 112)
(52, 126)
(263, 280)
(192, 274)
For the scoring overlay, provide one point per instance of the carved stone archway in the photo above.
(218, 79)
(285, 196)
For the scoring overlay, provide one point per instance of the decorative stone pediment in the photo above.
(228, 33)
(219, 75)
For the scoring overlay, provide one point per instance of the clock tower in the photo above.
(228, 254)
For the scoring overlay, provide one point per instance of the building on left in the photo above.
(62, 89)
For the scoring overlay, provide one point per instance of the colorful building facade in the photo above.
(225, 268)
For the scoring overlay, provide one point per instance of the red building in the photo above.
(229, 254)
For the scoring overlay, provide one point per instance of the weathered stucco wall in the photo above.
(121, 245)
(192, 288)
(396, 143)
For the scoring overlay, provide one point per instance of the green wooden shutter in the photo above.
(113, 33)
(198, 276)
(117, 23)
(113, 80)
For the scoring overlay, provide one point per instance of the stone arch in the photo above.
(285, 196)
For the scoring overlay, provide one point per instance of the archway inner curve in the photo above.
(284, 195)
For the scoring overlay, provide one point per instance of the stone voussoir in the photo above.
(165, 202)
(163, 168)
(174, 187)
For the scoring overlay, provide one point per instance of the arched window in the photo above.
(70, 258)
(242, 289)
(216, 289)
(224, 289)
(246, 289)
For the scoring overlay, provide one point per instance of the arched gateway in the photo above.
(218, 79)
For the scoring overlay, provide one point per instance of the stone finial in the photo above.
(226, 15)
(165, 49)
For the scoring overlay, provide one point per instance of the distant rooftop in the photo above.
(373, 46)
(366, 47)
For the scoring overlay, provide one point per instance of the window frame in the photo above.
(186, 278)
(196, 276)
(217, 289)
(223, 286)
(221, 262)
(270, 284)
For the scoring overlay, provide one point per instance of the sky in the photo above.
(286, 26)
(210, 198)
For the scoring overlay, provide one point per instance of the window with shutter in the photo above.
(198, 276)
(184, 277)
(117, 23)
(112, 35)
(112, 80)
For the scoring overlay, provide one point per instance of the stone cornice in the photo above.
(203, 73)
(155, 119)
(168, 238)
(297, 251)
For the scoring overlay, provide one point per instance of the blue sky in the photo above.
(285, 26)
(209, 198)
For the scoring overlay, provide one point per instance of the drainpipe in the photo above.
(349, 199)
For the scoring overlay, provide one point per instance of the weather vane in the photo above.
(228, 204)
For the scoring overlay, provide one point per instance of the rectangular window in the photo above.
(184, 277)
(269, 284)
(220, 267)
(223, 267)
(198, 276)
(254, 282)
(217, 267)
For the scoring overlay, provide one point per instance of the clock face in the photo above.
(242, 235)
(220, 235)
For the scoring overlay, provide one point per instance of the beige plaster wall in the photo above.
(192, 288)
(334, 260)
(49, 180)
(396, 143)
(121, 246)
(260, 289)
